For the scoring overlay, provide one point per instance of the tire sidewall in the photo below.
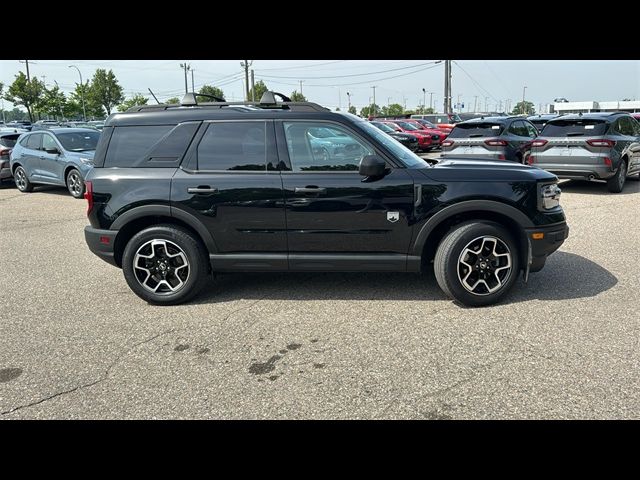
(190, 247)
(451, 264)
(26, 177)
(75, 170)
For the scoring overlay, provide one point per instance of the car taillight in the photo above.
(88, 195)
(494, 142)
(531, 160)
(607, 161)
(5, 151)
(539, 143)
(601, 142)
(501, 157)
(447, 143)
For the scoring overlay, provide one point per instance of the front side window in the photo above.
(48, 143)
(336, 150)
(233, 146)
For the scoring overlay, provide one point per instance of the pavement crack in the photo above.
(105, 376)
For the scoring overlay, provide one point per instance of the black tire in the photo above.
(190, 246)
(448, 271)
(22, 180)
(75, 183)
(616, 183)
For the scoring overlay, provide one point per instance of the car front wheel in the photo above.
(75, 183)
(477, 263)
(165, 265)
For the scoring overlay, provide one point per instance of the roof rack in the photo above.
(268, 101)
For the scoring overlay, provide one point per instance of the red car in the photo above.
(636, 116)
(437, 134)
(424, 139)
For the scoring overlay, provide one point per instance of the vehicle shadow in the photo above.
(598, 188)
(7, 185)
(566, 276)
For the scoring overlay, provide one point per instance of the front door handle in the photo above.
(202, 190)
(310, 190)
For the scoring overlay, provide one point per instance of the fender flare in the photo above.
(166, 211)
(469, 205)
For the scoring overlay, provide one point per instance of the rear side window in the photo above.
(574, 128)
(9, 141)
(473, 130)
(34, 141)
(233, 146)
(519, 129)
(626, 126)
(129, 145)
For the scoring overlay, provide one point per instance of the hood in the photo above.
(469, 170)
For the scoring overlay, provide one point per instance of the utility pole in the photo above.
(374, 99)
(193, 88)
(447, 86)
(459, 95)
(300, 87)
(524, 110)
(253, 86)
(186, 67)
(246, 64)
(475, 103)
(339, 100)
(486, 104)
(431, 101)
(404, 101)
(388, 102)
(349, 99)
(84, 112)
(424, 99)
(26, 62)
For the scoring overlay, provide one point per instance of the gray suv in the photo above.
(590, 146)
(491, 138)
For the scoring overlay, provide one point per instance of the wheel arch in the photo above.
(434, 230)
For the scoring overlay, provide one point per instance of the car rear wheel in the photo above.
(75, 183)
(165, 265)
(22, 181)
(477, 263)
(616, 183)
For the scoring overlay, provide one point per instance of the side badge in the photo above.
(393, 216)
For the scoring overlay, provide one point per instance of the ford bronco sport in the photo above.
(181, 192)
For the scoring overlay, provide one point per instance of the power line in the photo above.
(476, 83)
(353, 74)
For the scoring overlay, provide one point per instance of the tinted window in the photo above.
(406, 156)
(33, 141)
(407, 126)
(130, 144)
(233, 146)
(9, 140)
(626, 126)
(385, 128)
(473, 130)
(574, 128)
(519, 128)
(533, 131)
(48, 142)
(339, 152)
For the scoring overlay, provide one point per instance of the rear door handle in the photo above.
(310, 190)
(202, 190)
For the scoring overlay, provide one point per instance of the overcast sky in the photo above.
(398, 81)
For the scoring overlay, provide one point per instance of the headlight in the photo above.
(86, 161)
(550, 196)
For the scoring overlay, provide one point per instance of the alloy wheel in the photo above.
(484, 265)
(161, 267)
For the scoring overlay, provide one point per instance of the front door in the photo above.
(51, 164)
(230, 182)
(335, 220)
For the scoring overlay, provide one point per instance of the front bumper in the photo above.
(101, 242)
(540, 248)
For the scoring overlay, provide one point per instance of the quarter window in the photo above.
(319, 147)
(519, 128)
(48, 142)
(233, 146)
(130, 144)
(533, 131)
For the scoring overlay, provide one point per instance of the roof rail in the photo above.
(268, 101)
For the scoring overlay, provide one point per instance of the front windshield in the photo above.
(406, 156)
(455, 118)
(408, 126)
(79, 141)
(384, 127)
(427, 123)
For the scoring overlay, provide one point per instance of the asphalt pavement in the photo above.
(75, 342)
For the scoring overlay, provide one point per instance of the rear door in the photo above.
(230, 182)
(30, 156)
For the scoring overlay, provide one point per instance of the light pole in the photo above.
(84, 112)
(424, 99)
(373, 106)
(349, 100)
(523, 107)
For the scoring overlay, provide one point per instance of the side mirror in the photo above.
(52, 151)
(372, 166)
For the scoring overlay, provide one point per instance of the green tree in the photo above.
(297, 97)
(54, 102)
(137, 99)
(353, 110)
(172, 100)
(105, 90)
(260, 88)
(26, 93)
(210, 90)
(528, 109)
(395, 109)
(337, 109)
(369, 110)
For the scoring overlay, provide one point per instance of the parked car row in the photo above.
(590, 146)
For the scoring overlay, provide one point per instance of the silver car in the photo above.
(590, 146)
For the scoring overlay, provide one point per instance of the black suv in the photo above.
(179, 192)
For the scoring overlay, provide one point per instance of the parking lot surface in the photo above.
(75, 342)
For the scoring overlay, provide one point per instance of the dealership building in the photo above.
(631, 106)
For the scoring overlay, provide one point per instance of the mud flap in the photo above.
(525, 276)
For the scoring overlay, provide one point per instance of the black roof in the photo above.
(606, 116)
(500, 119)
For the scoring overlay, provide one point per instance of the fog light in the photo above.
(537, 236)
